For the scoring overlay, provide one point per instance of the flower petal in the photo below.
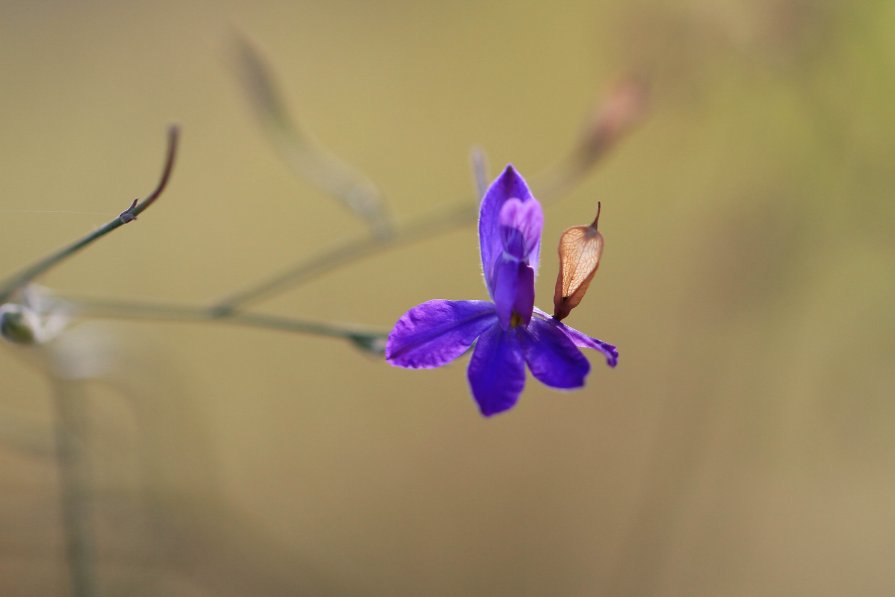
(520, 228)
(582, 340)
(436, 332)
(509, 185)
(552, 357)
(496, 371)
(514, 291)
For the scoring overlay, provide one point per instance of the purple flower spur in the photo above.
(508, 332)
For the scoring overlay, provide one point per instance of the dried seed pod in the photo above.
(580, 249)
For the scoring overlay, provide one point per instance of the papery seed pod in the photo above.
(580, 249)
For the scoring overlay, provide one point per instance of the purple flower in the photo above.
(508, 332)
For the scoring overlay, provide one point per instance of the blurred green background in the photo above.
(744, 446)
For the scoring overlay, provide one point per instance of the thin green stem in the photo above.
(361, 336)
(16, 281)
(70, 428)
(351, 251)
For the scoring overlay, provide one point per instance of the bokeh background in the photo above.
(745, 445)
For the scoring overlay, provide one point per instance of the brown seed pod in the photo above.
(580, 249)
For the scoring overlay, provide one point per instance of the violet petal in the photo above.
(509, 185)
(436, 332)
(496, 371)
(582, 340)
(514, 291)
(552, 357)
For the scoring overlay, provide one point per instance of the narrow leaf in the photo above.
(301, 153)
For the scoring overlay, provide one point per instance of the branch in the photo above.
(558, 181)
(351, 251)
(612, 119)
(9, 286)
(367, 339)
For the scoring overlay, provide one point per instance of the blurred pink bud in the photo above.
(624, 108)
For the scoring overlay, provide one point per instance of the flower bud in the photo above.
(19, 324)
(625, 107)
(34, 316)
(580, 249)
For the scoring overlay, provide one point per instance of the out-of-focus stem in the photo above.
(74, 487)
(479, 162)
(623, 108)
(556, 184)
